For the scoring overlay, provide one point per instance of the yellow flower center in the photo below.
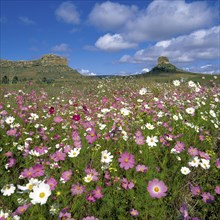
(126, 160)
(156, 189)
(30, 187)
(42, 195)
(105, 157)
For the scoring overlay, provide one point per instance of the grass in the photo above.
(41, 124)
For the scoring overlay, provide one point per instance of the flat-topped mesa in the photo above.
(51, 59)
(162, 60)
(164, 66)
(46, 60)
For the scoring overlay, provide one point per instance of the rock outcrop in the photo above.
(164, 66)
(162, 60)
(46, 60)
(48, 68)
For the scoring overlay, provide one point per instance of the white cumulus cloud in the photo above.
(203, 44)
(160, 20)
(110, 15)
(61, 48)
(114, 42)
(67, 13)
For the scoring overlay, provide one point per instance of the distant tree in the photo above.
(15, 80)
(5, 80)
(44, 80)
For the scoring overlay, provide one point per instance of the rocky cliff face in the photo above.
(162, 60)
(164, 66)
(47, 60)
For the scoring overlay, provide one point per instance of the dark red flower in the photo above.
(85, 108)
(76, 117)
(51, 110)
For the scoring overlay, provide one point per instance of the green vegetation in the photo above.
(95, 147)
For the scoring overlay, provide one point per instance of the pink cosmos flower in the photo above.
(127, 184)
(93, 172)
(207, 197)
(57, 156)
(217, 190)
(28, 173)
(126, 160)
(97, 192)
(11, 162)
(90, 198)
(8, 154)
(195, 190)
(156, 188)
(38, 170)
(179, 147)
(134, 212)
(140, 140)
(57, 119)
(204, 155)
(217, 163)
(41, 149)
(91, 136)
(77, 189)
(52, 183)
(21, 209)
(107, 175)
(12, 132)
(193, 151)
(184, 212)
(141, 168)
(66, 175)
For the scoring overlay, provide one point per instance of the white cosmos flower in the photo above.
(74, 153)
(105, 110)
(149, 126)
(40, 193)
(175, 117)
(191, 84)
(190, 111)
(9, 120)
(176, 82)
(212, 113)
(151, 141)
(4, 215)
(88, 178)
(146, 106)
(102, 126)
(33, 116)
(185, 170)
(106, 157)
(194, 162)
(125, 111)
(8, 189)
(143, 91)
(205, 164)
(29, 186)
(160, 114)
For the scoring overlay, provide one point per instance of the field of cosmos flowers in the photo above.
(115, 149)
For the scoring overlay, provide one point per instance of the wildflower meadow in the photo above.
(114, 149)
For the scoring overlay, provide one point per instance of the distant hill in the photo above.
(48, 68)
(164, 66)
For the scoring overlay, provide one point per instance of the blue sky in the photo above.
(113, 37)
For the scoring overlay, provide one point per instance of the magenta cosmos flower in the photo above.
(76, 117)
(156, 188)
(126, 161)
